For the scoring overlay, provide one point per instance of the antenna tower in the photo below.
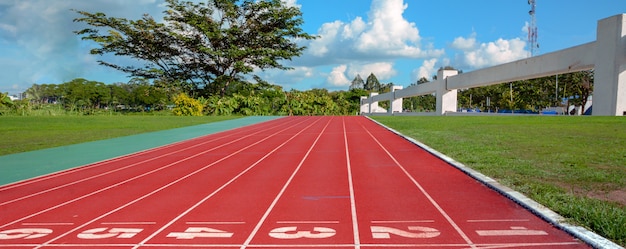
(532, 29)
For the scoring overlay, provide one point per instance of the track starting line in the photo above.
(294, 182)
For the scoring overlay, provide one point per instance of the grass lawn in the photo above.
(576, 166)
(20, 134)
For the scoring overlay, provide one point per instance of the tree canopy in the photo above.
(372, 83)
(357, 83)
(201, 47)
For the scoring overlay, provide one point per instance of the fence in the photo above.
(607, 55)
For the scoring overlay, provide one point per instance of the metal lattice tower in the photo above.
(532, 29)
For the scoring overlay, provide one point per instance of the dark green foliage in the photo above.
(84, 96)
(203, 47)
(535, 94)
(372, 83)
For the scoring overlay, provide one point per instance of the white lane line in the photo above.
(355, 223)
(123, 168)
(502, 220)
(514, 231)
(481, 246)
(129, 223)
(400, 221)
(424, 192)
(161, 188)
(269, 209)
(124, 182)
(309, 222)
(225, 184)
(215, 222)
(48, 224)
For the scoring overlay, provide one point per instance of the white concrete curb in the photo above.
(543, 212)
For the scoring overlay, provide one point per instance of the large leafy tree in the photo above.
(206, 45)
(372, 83)
(357, 82)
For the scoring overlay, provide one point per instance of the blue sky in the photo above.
(397, 40)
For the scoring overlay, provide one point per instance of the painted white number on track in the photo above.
(379, 232)
(103, 233)
(200, 232)
(293, 233)
(25, 233)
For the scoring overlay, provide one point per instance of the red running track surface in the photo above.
(295, 182)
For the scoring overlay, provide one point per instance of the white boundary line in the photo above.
(269, 209)
(424, 192)
(534, 207)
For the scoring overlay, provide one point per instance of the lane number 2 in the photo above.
(415, 232)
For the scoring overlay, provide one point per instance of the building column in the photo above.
(446, 99)
(609, 94)
(365, 106)
(373, 104)
(396, 104)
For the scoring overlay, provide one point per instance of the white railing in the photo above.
(607, 55)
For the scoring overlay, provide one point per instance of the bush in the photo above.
(186, 106)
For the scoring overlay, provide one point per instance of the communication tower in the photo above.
(532, 29)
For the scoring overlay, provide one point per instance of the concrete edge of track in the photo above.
(536, 208)
(27, 165)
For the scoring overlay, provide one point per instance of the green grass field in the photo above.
(26, 133)
(576, 166)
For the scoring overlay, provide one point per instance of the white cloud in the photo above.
(465, 44)
(385, 35)
(475, 55)
(291, 3)
(286, 78)
(327, 36)
(338, 76)
(11, 29)
(48, 49)
(425, 71)
(494, 53)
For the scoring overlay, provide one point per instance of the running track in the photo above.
(294, 182)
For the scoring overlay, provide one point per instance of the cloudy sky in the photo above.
(397, 40)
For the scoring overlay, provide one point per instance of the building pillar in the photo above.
(609, 94)
(365, 106)
(446, 99)
(396, 104)
(373, 104)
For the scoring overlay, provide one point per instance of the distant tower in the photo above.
(532, 29)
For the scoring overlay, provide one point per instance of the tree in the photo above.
(357, 83)
(577, 87)
(5, 100)
(420, 103)
(207, 45)
(372, 83)
(422, 81)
